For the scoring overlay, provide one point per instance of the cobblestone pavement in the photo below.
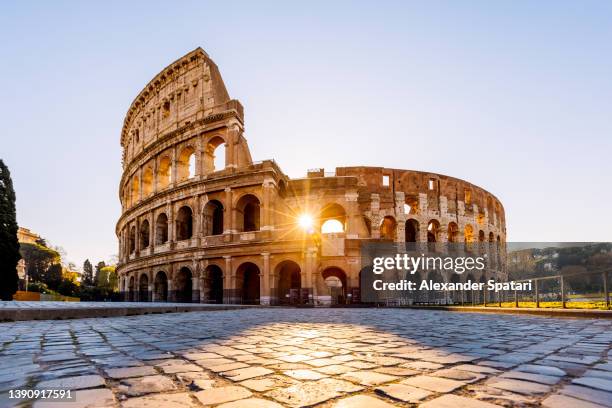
(345, 358)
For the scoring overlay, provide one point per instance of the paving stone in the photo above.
(304, 374)
(368, 377)
(456, 401)
(538, 378)
(362, 401)
(564, 401)
(119, 373)
(398, 371)
(228, 367)
(476, 369)
(136, 387)
(403, 392)
(246, 373)
(598, 374)
(179, 400)
(333, 369)
(594, 382)
(268, 383)
(435, 384)
(587, 394)
(460, 375)
(213, 362)
(520, 387)
(251, 403)
(312, 392)
(73, 383)
(220, 395)
(540, 369)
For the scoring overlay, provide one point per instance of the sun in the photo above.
(305, 221)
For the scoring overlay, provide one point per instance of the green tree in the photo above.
(88, 279)
(38, 259)
(99, 266)
(54, 276)
(9, 246)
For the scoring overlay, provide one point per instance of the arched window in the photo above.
(161, 229)
(433, 229)
(453, 232)
(163, 173)
(412, 230)
(186, 164)
(214, 155)
(147, 182)
(333, 219)
(132, 240)
(388, 228)
(248, 211)
(135, 189)
(144, 234)
(213, 218)
(468, 237)
(184, 224)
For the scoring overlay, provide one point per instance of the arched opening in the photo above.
(186, 164)
(468, 237)
(214, 155)
(131, 289)
(289, 282)
(368, 225)
(135, 189)
(183, 291)
(453, 232)
(213, 218)
(144, 234)
(248, 213)
(481, 236)
(412, 230)
(333, 219)
(132, 240)
(163, 172)
(247, 283)
(161, 287)
(335, 281)
(147, 182)
(214, 284)
(433, 234)
(388, 228)
(143, 288)
(184, 224)
(161, 229)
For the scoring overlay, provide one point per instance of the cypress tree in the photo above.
(9, 246)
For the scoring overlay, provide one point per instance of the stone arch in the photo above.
(215, 155)
(132, 240)
(147, 182)
(145, 231)
(288, 282)
(388, 228)
(332, 219)
(184, 223)
(135, 189)
(453, 232)
(411, 230)
(143, 288)
(247, 283)
(186, 164)
(163, 172)
(468, 237)
(248, 213)
(183, 285)
(161, 287)
(481, 236)
(336, 282)
(213, 218)
(131, 289)
(161, 229)
(213, 284)
(433, 231)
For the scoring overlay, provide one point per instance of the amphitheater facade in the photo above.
(202, 222)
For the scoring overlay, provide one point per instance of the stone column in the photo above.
(228, 278)
(140, 184)
(228, 213)
(155, 179)
(309, 281)
(195, 289)
(198, 158)
(173, 168)
(265, 296)
(152, 290)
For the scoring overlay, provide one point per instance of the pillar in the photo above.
(228, 281)
(264, 285)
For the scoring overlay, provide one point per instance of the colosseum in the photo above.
(202, 222)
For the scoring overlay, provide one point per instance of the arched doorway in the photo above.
(335, 281)
(411, 234)
(161, 287)
(388, 228)
(184, 223)
(248, 209)
(183, 286)
(289, 283)
(131, 289)
(161, 229)
(143, 288)
(213, 218)
(214, 284)
(247, 283)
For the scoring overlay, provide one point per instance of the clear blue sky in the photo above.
(514, 96)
